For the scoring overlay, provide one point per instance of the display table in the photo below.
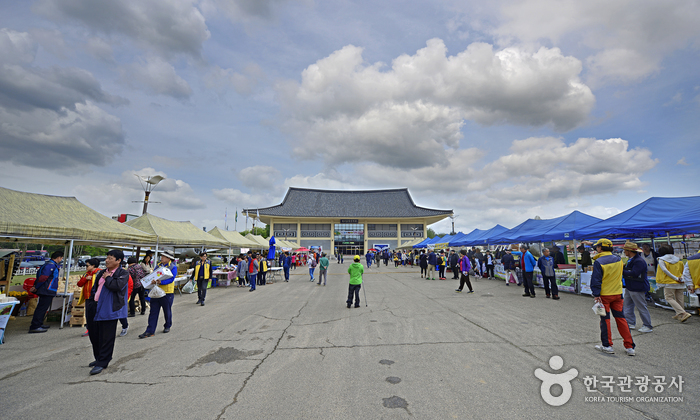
(223, 277)
(275, 273)
(5, 312)
(179, 282)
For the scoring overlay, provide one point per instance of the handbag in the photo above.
(156, 292)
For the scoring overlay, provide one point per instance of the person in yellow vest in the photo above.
(691, 273)
(606, 287)
(669, 275)
(166, 302)
(202, 273)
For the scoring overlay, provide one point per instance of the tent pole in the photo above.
(155, 259)
(668, 238)
(65, 288)
(577, 274)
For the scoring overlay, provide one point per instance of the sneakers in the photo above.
(555, 297)
(526, 294)
(645, 329)
(684, 317)
(458, 291)
(632, 327)
(471, 291)
(547, 296)
(146, 335)
(608, 350)
(124, 331)
(85, 334)
(630, 352)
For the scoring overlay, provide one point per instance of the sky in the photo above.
(501, 111)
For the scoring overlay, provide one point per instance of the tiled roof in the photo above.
(303, 202)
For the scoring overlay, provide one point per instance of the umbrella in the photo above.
(302, 249)
(271, 252)
(372, 249)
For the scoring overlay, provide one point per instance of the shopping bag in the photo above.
(599, 309)
(156, 292)
(188, 287)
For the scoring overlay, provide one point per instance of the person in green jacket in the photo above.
(323, 269)
(356, 271)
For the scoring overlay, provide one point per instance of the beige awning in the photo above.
(411, 243)
(176, 234)
(262, 243)
(234, 238)
(48, 219)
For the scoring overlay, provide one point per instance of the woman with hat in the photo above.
(636, 286)
(166, 302)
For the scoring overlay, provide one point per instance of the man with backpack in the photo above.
(45, 286)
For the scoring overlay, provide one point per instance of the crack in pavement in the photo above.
(205, 376)
(87, 381)
(255, 369)
(355, 346)
(10, 375)
(207, 338)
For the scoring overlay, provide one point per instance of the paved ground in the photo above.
(294, 351)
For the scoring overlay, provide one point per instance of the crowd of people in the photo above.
(621, 288)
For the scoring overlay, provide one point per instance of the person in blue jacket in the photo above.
(106, 305)
(636, 286)
(432, 262)
(527, 264)
(45, 287)
(369, 257)
(286, 265)
(547, 264)
(166, 302)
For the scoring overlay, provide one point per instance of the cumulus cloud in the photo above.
(242, 199)
(259, 177)
(244, 83)
(100, 49)
(345, 110)
(157, 76)
(243, 10)
(629, 38)
(49, 115)
(682, 162)
(167, 27)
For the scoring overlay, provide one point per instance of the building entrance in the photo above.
(349, 238)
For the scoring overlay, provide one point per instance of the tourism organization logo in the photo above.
(550, 379)
(638, 389)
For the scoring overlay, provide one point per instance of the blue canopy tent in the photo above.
(655, 217)
(458, 237)
(484, 238)
(445, 241)
(422, 243)
(568, 228)
(536, 230)
(463, 240)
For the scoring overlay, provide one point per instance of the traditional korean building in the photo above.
(349, 221)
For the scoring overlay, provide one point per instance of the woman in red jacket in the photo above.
(93, 267)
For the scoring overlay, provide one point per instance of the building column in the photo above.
(298, 234)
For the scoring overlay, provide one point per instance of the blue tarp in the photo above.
(657, 216)
(463, 240)
(484, 237)
(535, 230)
(447, 238)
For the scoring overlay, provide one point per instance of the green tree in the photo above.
(431, 233)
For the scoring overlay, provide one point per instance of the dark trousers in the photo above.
(166, 302)
(441, 271)
(455, 272)
(102, 335)
(527, 283)
(423, 270)
(40, 312)
(202, 289)
(553, 280)
(354, 289)
(489, 270)
(251, 280)
(241, 281)
(286, 272)
(464, 280)
(261, 278)
(140, 291)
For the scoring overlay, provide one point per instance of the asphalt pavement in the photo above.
(418, 350)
